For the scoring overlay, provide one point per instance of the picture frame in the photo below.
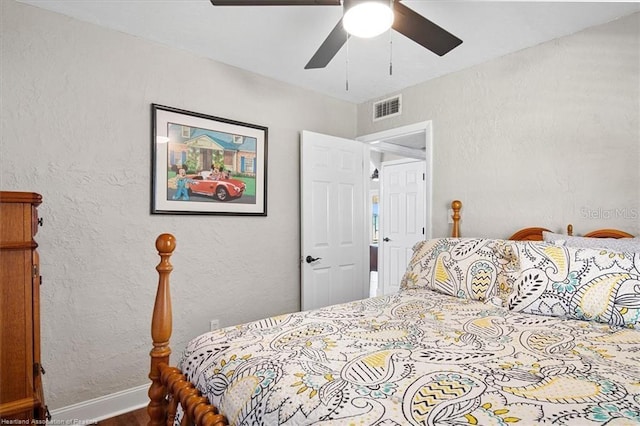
(202, 164)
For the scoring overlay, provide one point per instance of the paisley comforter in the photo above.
(419, 358)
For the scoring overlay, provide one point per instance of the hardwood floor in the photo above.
(134, 418)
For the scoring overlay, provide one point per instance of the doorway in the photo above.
(400, 145)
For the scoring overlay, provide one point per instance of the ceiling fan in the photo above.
(404, 20)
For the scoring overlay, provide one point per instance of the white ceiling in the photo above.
(278, 41)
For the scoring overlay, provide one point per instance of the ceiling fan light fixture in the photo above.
(367, 18)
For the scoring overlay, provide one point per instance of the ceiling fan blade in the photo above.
(422, 31)
(275, 2)
(329, 47)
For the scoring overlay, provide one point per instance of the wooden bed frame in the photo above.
(170, 388)
(535, 233)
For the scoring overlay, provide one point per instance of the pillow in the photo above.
(615, 244)
(469, 268)
(581, 283)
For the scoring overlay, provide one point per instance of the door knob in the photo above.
(386, 239)
(310, 259)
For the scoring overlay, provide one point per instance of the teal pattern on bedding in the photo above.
(419, 357)
(581, 283)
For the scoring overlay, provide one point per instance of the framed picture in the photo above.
(202, 164)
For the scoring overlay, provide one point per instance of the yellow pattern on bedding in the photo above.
(419, 357)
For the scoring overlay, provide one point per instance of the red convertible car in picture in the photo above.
(222, 189)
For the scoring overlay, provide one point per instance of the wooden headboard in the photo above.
(608, 233)
(529, 234)
(535, 233)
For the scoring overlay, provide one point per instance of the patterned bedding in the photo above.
(419, 357)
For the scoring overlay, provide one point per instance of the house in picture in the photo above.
(199, 150)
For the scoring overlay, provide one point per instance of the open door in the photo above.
(402, 222)
(333, 223)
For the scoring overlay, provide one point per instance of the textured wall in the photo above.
(75, 123)
(546, 136)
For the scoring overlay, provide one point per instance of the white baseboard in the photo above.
(93, 410)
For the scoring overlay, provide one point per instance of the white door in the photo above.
(402, 222)
(333, 221)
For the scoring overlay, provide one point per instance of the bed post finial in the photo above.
(570, 229)
(161, 325)
(456, 205)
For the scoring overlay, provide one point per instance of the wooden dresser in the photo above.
(21, 396)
